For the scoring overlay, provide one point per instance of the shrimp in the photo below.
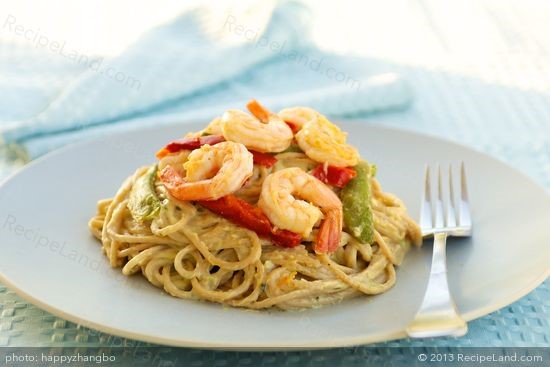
(279, 201)
(323, 141)
(211, 172)
(214, 127)
(298, 116)
(264, 132)
(175, 160)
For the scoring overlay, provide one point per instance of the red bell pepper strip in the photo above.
(284, 238)
(189, 144)
(263, 159)
(249, 216)
(335, 176)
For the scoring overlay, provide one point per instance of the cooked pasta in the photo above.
(215, 247)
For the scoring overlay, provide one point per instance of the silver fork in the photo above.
(438, 315)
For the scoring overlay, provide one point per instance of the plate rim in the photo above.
(259, 346)
(341, 342)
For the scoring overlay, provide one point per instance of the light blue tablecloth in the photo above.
(509, 123)
(188, 67)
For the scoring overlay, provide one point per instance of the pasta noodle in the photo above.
(193, 253)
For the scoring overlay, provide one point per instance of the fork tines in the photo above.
(443, 214)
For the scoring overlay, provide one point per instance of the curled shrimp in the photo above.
(211, 172)
(295, 200)
(264, 131)
(323, 141)
(298, 116)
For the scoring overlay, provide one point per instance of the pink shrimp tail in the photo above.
(330, 232)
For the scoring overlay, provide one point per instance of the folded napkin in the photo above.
(201, 63)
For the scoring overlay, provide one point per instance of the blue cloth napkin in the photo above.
(195, 67)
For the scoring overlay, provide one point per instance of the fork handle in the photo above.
(437, 315)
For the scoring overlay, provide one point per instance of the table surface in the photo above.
(486, 84)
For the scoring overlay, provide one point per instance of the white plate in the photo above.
(48, 256)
